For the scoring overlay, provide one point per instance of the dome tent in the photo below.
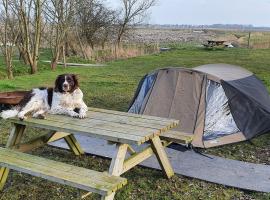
(217, 103)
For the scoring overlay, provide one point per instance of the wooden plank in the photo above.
(132, 120)
(55, 165)
(71, 128)
(44, 139)
(162, 157)
(125, 119)
(58, 136)
(131, 150)
(116, 167)
(78, 177)
(16, 134)
(35, 143)
(103, 123)
(58, 167)
(137, 158)
(109, 126)
(15, 137)
(117, 162)
(77, 129)
(132, 115)
(108, 197)
(177, 137)
(74, 145)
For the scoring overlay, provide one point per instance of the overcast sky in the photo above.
(255, 12)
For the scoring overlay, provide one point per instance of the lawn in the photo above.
(112, 87)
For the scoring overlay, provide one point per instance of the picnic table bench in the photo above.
(124, 129)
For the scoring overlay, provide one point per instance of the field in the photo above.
(258, 40)
(112, 87)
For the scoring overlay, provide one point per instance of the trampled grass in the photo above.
(112, 87)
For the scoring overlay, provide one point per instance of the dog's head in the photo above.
(66, 83)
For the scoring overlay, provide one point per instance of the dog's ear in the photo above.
(76, 81)
(57, 86)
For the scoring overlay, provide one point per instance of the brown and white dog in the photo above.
(65, 98)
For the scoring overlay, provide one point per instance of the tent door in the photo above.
(218, 118)
(176, 94)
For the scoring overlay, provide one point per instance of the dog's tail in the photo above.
(9, 113)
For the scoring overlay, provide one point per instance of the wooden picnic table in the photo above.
(124, 129)
(214, 43)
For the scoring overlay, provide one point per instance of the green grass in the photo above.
(112, 87)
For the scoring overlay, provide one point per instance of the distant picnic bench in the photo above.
(214, 43)
(124, 129)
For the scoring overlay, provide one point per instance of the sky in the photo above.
(199, 12)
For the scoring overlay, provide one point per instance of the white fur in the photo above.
(9, 113)
(62, 103)
(65, 103)
(66, 83)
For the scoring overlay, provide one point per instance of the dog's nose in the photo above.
(65, 85)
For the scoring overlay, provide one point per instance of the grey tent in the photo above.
(217, 103)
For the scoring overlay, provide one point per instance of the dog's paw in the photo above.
(21, 116)
(82, 115)
(75, 115)
(39, 116)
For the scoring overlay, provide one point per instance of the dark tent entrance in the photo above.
(218, 104)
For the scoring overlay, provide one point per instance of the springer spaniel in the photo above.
(65, 98)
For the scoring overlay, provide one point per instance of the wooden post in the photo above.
(116, 167)
(14, 138)
(249, 34)
(74, 145)
(162, 156)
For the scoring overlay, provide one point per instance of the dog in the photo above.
(65, 98)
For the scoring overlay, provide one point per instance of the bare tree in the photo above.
(59, 14)
(132, 13)
(8, 36)
(29, 14)
(94, 21)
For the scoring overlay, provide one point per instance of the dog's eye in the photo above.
(69, 79)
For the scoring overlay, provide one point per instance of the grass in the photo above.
(112, 87)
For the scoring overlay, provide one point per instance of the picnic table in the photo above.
(124, 129)
(214, 43)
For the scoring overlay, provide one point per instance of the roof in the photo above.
(225, 72)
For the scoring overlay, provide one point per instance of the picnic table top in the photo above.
(215, 41)
(110, 125)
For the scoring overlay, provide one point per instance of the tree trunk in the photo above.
(8, 49)
(34, 68)
(64, 56)
(23, 56)
(31, 48)
(8, 61)
(81, 45)
(121, 32)
(37, 36)
(55, 60)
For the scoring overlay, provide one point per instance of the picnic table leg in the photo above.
(15, 137)
(74, 145)
(71, 141)
(162, 157)
(117, 163)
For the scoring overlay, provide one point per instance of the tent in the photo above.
(217, 103)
